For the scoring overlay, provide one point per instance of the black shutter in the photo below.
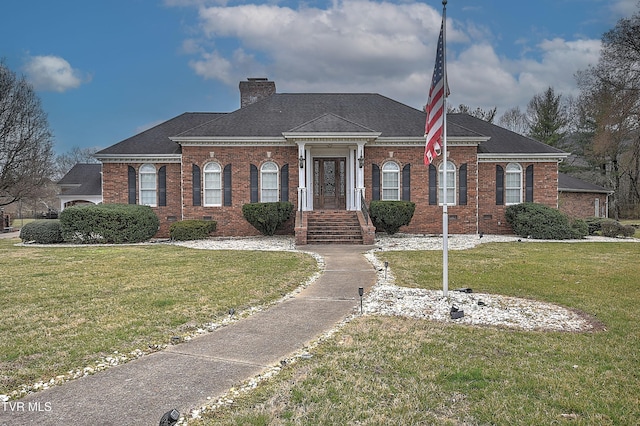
(375, 182)
(162, 186)
(433, 185)
(462, 185)
(529, 184)
(406, 183)
(253, 182)
(197, 182)
(499, 185)
(132, 185)
(227, 185)
(284, 183)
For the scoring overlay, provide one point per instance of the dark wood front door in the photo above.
(329, 183)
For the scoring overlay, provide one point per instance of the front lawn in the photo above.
(381, 370)
(63, 308)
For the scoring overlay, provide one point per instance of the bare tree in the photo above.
(610, 98)
(26, 143)
(478, 112)
(64, 162)
(514, 120)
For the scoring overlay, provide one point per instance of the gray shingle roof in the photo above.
(568, 183)
(82, 179)
(321, 112)
(156, 139)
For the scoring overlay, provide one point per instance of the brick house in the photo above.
(326, 152)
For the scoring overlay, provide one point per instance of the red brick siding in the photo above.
(229, 218)
(481, 214)
(582, 204)
(491, 216)
(428, 219)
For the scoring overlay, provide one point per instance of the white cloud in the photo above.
(53, 73)
(625, 8)
(371, 46)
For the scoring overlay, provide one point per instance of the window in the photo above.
(148, 188)
(269, 182)
(513, 184)
(390, 181)
(451, 184)
(212, 184)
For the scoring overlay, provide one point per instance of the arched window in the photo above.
(212, 184)
(148, 185)
(390, 181)
(513, 184)
(269, 182)
(451, 184)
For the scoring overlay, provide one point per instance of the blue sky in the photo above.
(108, 69)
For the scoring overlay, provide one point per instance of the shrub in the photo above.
(389, 216)
(613, 229)
(579, 228)
(191, 229)
(45, 231)
(108, 223)
(267, 217)
(595, 224)
(541, 222)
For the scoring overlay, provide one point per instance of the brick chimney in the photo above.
(255, 89)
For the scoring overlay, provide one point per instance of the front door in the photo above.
(329, 183)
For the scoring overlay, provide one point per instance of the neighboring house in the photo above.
(581, 199)
(326, 152)
(81, 185)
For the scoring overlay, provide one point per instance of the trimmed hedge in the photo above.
(46, 231)
(389, 216)
(187, 230)
(532, 220)
(108, 223)
(267, 217)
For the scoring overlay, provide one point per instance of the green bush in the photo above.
(186, 230)
(389, 216)
(613, 229)
(595, 224)
(538, 221)
(267, 217)
(108, 223)
(42, 232)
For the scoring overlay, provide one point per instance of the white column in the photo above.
(302, 188)
(359, 174)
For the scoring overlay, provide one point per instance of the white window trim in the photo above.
(506, 181)
(204, 184)
(142, 190)
(383, 187)
(277, 188)
(452, 186)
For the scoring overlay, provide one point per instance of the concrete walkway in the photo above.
(183, 376)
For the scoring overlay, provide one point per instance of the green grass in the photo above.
(64, 307)
(380, 370)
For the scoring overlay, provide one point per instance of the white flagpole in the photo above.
(445, 212)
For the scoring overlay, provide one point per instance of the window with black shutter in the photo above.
(529, 184)
(162, 186)
(197, 188)
(227, 184)
(284, 183)
(499, 185)
(253, 183)
(406, 182)
(433, 185)
(375, 182)
(462, 185)
(132, 175)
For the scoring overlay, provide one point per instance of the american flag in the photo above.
(435, 106)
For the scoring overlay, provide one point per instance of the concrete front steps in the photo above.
(333, 227)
